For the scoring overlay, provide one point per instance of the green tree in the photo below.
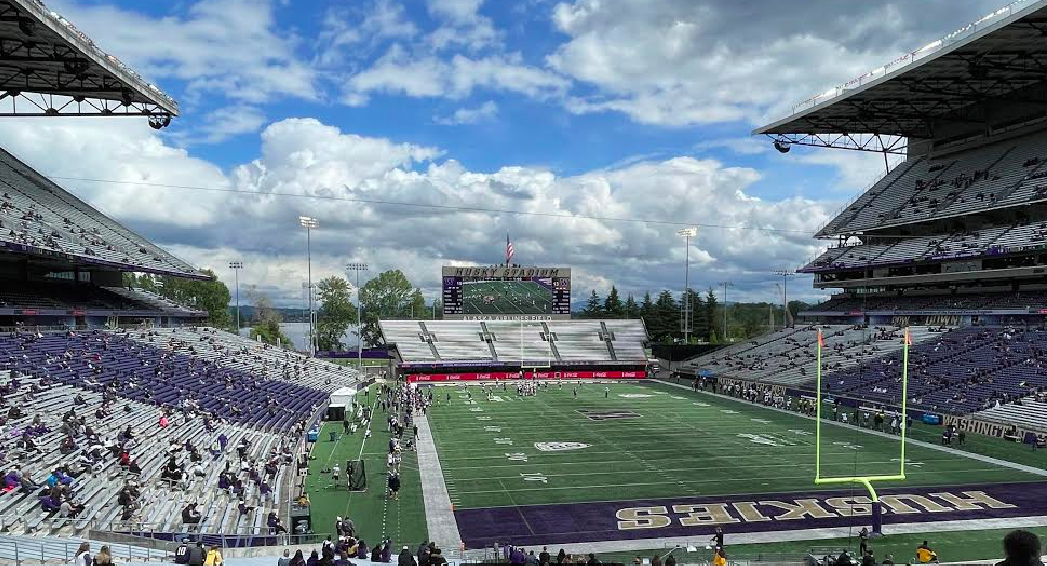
(593, 308)
(666, 317)
(211, 296)
(336, 313)
(389, 295)
(632, 310)
(647, 311)
(699, 322)
(612, 305)
(267, 320)
(417, 308)
(712, 315)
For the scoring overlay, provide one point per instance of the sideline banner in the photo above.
(511, 375)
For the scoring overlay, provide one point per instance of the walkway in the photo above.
(439, 515)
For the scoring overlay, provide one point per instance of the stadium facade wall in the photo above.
(511, 376)
(986, 428)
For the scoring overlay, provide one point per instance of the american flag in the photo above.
(508, 250)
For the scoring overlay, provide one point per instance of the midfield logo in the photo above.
(607, 415)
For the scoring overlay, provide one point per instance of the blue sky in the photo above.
(634, 108)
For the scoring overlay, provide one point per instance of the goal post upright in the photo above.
(865, 481)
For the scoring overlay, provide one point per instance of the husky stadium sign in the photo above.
(696, 516)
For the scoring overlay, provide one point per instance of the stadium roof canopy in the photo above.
(991, 58)
(50, 68)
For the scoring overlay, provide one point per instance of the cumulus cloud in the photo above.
(679, 62)
(399, 71)
(232, 47)
(486, 111)
(344, 179)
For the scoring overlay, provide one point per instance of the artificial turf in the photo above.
(950, 547)
(375, 516)
(681, 444)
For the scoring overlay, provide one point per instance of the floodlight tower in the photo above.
(685, 314)
(309, 224)
(236, 266)
(725, 284)
(785, 274)
(350, 268)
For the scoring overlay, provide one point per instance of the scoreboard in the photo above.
(500, 293)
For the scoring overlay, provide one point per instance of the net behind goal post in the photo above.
(866, 481)
(354, 471)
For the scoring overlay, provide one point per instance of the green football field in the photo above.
(583, 458)
(509, 297)
(669, 442)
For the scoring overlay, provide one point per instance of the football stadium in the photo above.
(901, 420)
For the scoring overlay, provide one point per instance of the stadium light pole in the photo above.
(309, 224)
(236, 266)
(786, 274)
(725, 284)
(687, 234)
(358, 267)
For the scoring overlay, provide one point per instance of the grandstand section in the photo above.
(965, 213)
(183, 393)
(501, 349)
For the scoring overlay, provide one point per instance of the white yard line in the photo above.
(979, 457)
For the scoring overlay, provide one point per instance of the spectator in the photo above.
(190, 515)
(197, 554)
(314, 559)
(103, 558)
(436, 558)
(299, 558)
(285, 560)
(720, 559)
(83, 555)
(214, 557)
(405, 558)
(1022, 549)
(924, 554)
(182, 552)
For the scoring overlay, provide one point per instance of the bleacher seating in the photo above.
(788, 356)
(1005, 173)
(59, 295)
(206, 383)
(241, 354)
(970, 301)
(160, 504)
(970, 244)
(155, 301)
(503, 340)
(37, 213)
(1029, 413)
(959, 371)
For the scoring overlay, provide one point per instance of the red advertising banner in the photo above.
(497, 376)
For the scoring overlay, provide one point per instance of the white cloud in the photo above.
(233, 47)
(462, 25)
(682, 62)
(345, 30)
(399, 72)
(225, 123)
(307, 157)
(486, 111)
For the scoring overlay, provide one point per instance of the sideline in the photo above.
(439, 517)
